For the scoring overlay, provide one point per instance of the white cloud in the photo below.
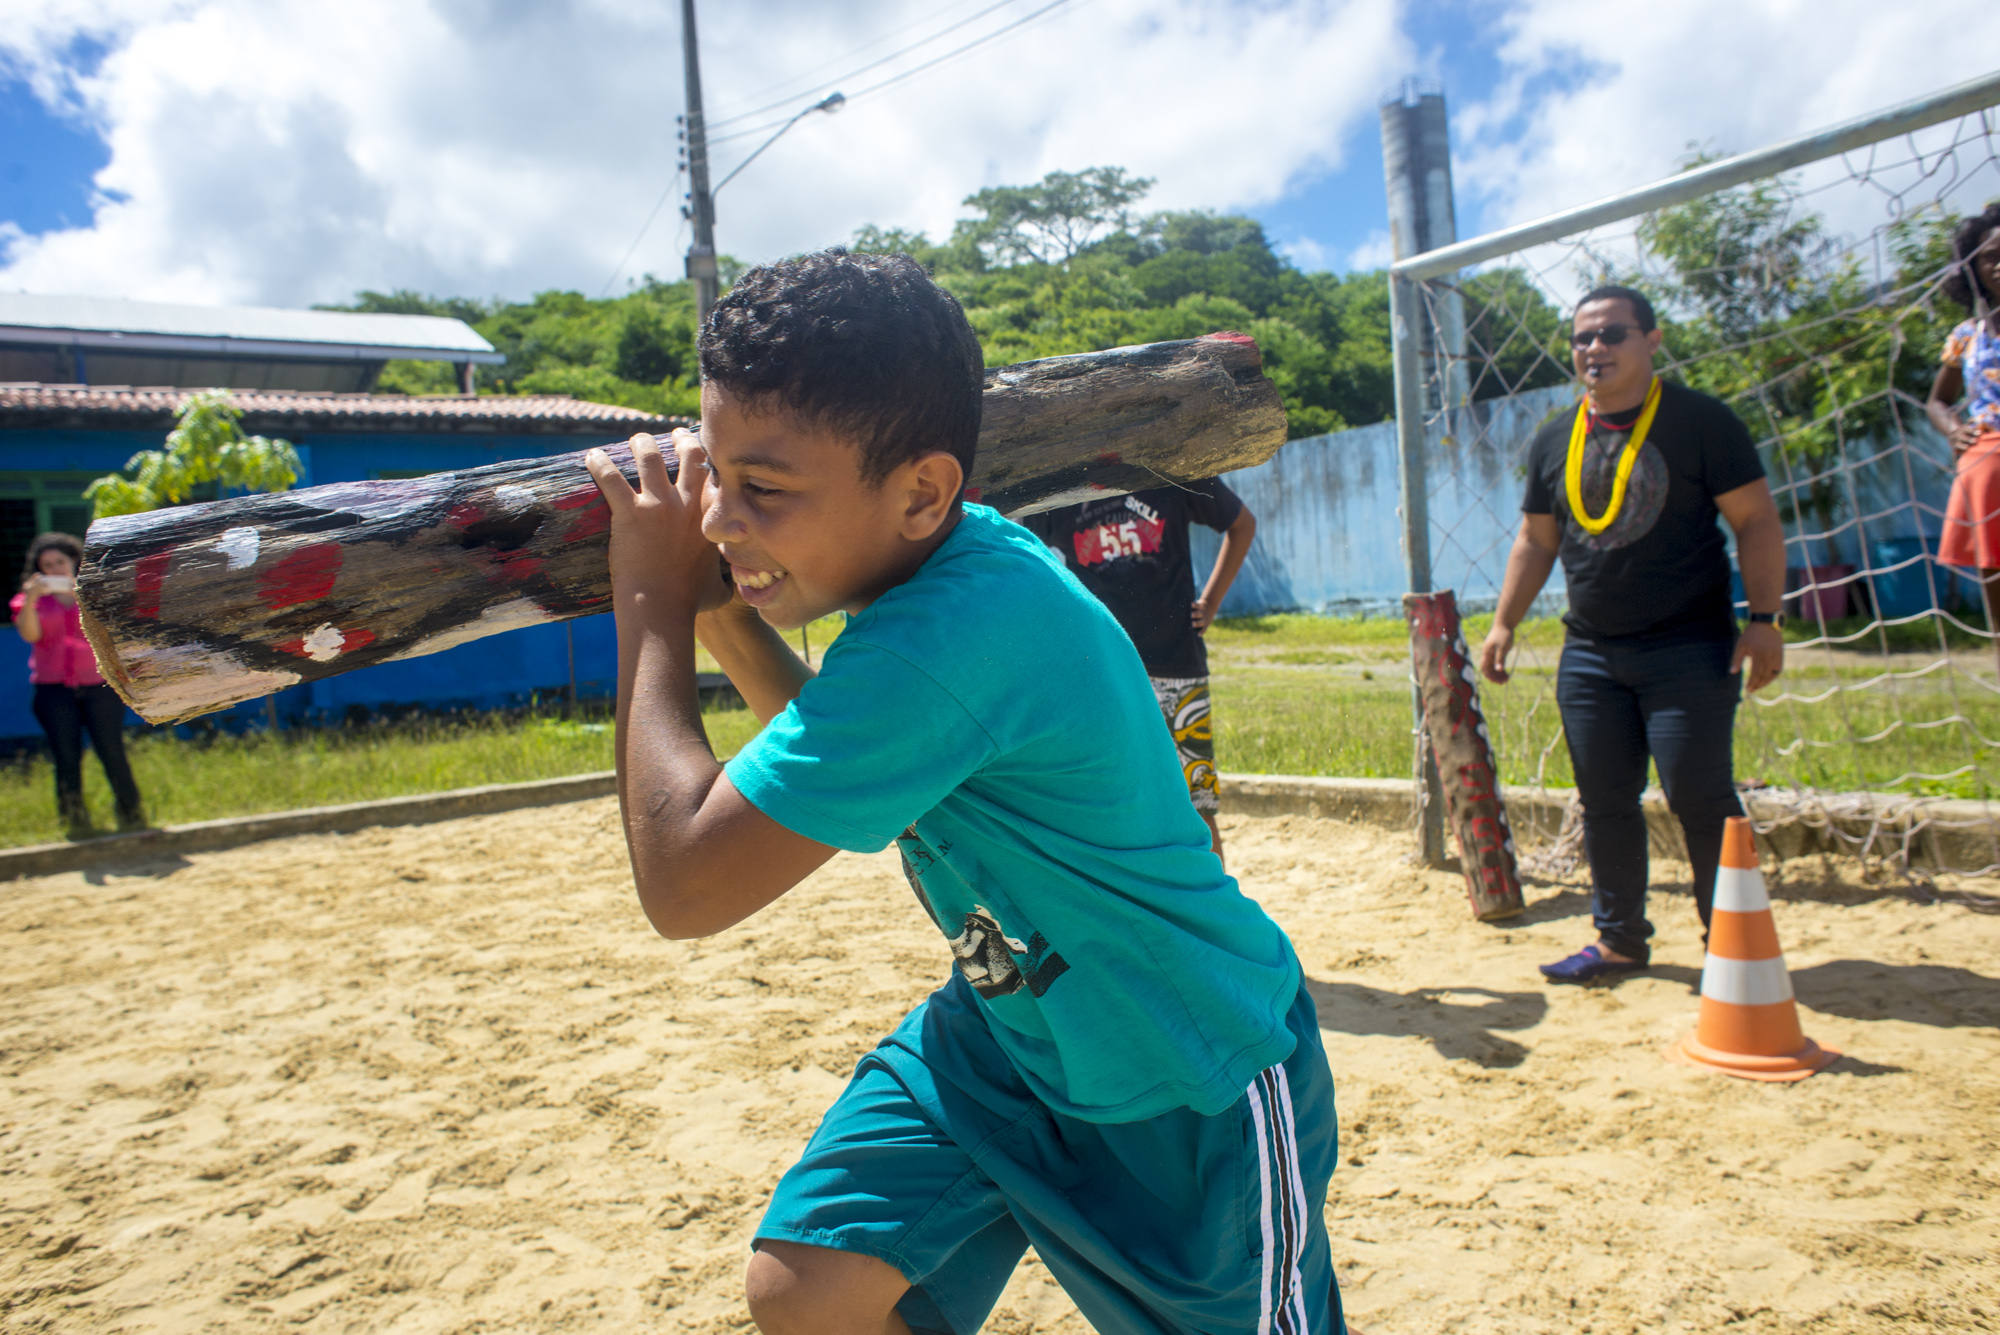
(289, 151)
(1374, 253)
(1305, 252)
(1596, 101)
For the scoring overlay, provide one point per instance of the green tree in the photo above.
(1174, 274)
(1062, 266)
(1052, 220)
(206, 455)
(403, 301)
(1763, 311)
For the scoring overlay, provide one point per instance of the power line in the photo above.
(885, 38)
(841, 60)
(786, 122)
(643, 229)
(997, 32)
(851, 74)
(912, 72)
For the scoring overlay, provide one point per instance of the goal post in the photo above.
(1805, 284)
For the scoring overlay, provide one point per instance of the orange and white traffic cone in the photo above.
(1749, 1023)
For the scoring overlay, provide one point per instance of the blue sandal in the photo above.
(1587, 964)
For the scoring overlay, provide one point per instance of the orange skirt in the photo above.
(1972, 517)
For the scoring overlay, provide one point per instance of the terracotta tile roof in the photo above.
(35, 405)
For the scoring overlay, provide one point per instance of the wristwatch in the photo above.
(1775, 620)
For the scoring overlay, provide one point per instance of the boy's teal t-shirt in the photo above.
(991, 717)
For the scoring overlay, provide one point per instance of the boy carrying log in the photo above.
(1124, 1068)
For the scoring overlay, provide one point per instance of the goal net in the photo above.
(1816, 304)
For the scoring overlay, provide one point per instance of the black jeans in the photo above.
(66, 713)
(1677, 704)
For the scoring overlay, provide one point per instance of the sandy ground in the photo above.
(445, 1079)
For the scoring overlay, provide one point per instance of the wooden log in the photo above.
(195, 608)
(1448, 685)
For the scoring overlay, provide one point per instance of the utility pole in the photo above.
(1416, 159)
(700, 210)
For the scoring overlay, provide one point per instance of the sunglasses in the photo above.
(1610, 336)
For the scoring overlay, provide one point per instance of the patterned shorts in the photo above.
(1184, 705)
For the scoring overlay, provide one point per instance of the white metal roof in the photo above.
(239, 331)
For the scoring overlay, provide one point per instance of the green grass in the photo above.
(1909, 637)
(1294, 694)
(239, 776)
(1276, 714)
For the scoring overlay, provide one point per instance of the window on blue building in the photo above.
(32, 503)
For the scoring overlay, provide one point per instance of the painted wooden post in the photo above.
(197, 607)
(1447, 686)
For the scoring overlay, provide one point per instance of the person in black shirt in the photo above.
(1132, 552)
(1626, 494)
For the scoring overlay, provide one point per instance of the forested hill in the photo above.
(1805, 333)
(1061, 266)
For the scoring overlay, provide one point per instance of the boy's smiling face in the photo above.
(803, 532)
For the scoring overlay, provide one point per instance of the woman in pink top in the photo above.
(70, 695)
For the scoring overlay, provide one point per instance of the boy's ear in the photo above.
(932, 483)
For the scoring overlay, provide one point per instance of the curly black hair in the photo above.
(866, 346)
(1958, 283)
(61, 542)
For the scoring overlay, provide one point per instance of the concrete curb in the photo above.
(1942, 832)
(210, 835)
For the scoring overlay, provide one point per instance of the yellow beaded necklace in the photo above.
(1573, 474)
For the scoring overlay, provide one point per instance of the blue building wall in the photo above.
(499, 671)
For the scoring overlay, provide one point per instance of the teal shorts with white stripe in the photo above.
(938, 1160)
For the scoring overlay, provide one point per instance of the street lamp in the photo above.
(831, 103)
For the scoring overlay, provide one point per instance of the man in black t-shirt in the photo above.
(1626, 492)
(1132, 552)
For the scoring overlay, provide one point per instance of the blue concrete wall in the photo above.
(496, 672)
(1329, 528)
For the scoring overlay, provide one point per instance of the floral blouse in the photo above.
(1976, 352)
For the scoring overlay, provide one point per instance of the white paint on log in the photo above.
(513, 497)
(239, 546)
(170, 682)
(382, 499)
(1074, 496)
(325, 643)
(492, 621)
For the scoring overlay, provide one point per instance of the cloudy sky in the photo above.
(290, 151)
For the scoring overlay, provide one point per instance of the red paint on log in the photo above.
(349, 641)
(511, 567)
(1455, 727)
(1109, 457)
(465, 514)
(306, 574)
(1231, 336)
(147, 580)
(972, 494)
(589, 524)
(596, 516)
